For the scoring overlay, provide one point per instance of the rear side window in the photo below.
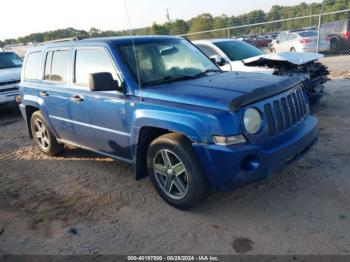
(60, 65)
(207, 50)
(89, 61)
(33, 66)
(57, 66)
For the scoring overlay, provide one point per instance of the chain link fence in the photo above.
(327, 33)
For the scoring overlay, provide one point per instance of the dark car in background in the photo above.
(10, 75)
(339, 33)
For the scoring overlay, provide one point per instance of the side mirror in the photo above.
(103, 82)
(217, 60)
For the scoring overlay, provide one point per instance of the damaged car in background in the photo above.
(236, 55)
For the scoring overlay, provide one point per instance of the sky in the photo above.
(23, 17)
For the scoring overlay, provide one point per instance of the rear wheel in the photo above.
(43, 136)
(175, 171)
(292, 49)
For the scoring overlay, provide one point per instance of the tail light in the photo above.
(305, 41)
(346, 34)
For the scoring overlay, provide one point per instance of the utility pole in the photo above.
(169, 21)
(319, 29)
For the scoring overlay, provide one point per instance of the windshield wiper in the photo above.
(169, 78)
(204, 73)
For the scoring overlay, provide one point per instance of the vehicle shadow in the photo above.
(9, 113)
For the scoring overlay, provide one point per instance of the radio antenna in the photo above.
(131, 33)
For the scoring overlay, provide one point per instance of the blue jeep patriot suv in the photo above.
(162, 105)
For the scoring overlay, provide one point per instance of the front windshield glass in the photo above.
(166, 60)
(238, 50)
(9, 60)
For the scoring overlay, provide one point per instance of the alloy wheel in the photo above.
(41, 134)
(171, 174)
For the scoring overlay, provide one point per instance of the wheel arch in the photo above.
(145, 136)
(29, 111)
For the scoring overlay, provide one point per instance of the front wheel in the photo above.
(292, 49)
(43, 136)
(175, 171)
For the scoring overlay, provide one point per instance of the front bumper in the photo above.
(230, 167)
(8, 96)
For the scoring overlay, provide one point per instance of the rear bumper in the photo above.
(230, 167)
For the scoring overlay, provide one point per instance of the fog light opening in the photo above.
(250, 163)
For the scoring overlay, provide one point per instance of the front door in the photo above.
(98, 117)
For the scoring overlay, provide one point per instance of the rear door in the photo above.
(53, 90)
(98, 117)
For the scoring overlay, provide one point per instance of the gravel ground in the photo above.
(81, 203)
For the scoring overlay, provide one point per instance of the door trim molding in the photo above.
(91, 126)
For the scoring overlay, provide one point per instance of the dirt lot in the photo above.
(81, 203)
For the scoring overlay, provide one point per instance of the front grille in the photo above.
(6, 90)
(12, 82)
(286, 112)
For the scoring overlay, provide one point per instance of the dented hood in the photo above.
(284, 57)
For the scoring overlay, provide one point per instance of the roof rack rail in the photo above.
(61, 40)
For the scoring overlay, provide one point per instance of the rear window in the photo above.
(308, 34)
(57, 65)
(238, 50)
(9, 60)
(33, 65)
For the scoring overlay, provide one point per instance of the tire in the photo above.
(168, 178)
(292, 49)
(273, 50)
(43, 136)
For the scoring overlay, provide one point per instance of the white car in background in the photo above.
(240, 56)
(300, 41)
(10, 75)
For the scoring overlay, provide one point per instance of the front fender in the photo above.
(189, 125)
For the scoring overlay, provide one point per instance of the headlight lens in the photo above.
(252, 120)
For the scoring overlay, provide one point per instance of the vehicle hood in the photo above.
(10, 74)
(224, 91)
(284, 57)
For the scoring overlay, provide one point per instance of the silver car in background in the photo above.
(10, 75)
(300, 41)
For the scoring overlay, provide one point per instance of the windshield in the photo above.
(9, 60)
(238, 50)
(167, 60)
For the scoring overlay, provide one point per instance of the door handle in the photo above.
(76, 99)
(43, 93)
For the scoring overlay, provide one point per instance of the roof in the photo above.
(215, 40)
(105, 40)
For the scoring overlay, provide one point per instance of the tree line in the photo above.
(206, 21)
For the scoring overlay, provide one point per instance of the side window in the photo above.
(89, 61)
(207, 50)
(57, 66)
(292, 37)
(60, 66)
(33, 66)
(282, 37)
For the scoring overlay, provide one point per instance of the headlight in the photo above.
(228, 140)
(252, 120)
